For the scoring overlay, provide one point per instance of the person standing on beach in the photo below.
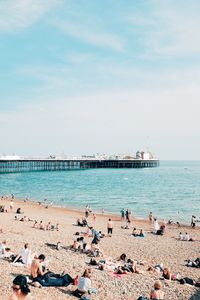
(11, 204)
(126, 214)
(86, 212)
(193, 221)
(129, 216)
(122, 214)
(110, 227)
(94, 217)
(150, 216)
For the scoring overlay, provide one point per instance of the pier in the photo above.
(28, 165)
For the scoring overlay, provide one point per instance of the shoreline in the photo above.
(69, 210)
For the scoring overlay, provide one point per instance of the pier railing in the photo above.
(26, 165)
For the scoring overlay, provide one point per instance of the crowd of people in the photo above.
(88, 242)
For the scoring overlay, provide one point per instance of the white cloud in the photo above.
(90, 34)
(113, 121)
(169, 28)
(20, 14)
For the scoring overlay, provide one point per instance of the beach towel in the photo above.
(119, 275)
(18, 264)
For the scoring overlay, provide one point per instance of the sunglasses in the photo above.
(15, 288)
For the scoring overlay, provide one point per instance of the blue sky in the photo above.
(109, 76)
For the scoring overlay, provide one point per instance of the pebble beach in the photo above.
(150, 250)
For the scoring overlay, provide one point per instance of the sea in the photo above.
(170, 191)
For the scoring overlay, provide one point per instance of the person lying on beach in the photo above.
(84, 285)
(190, 281)
(23, 219)
(125, 226)
(157, 293)
(43, 277)
(20, 288)
(157, 268)
(135, 234)
(24, 256)
(168, 275)
(57, 246)
(195, 263)
(130, 266)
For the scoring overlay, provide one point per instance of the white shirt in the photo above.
(156, 225)
(2, 249)
(26, 256)
(84, 284)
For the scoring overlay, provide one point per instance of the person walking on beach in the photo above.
(129, 216)
(110, 227)
(86, 212)
(122, 214)
(193, 221)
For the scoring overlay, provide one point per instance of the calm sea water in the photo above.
(170, 191)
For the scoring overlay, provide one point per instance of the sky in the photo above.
(109, 76)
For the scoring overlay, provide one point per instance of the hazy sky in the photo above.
(109, 76)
